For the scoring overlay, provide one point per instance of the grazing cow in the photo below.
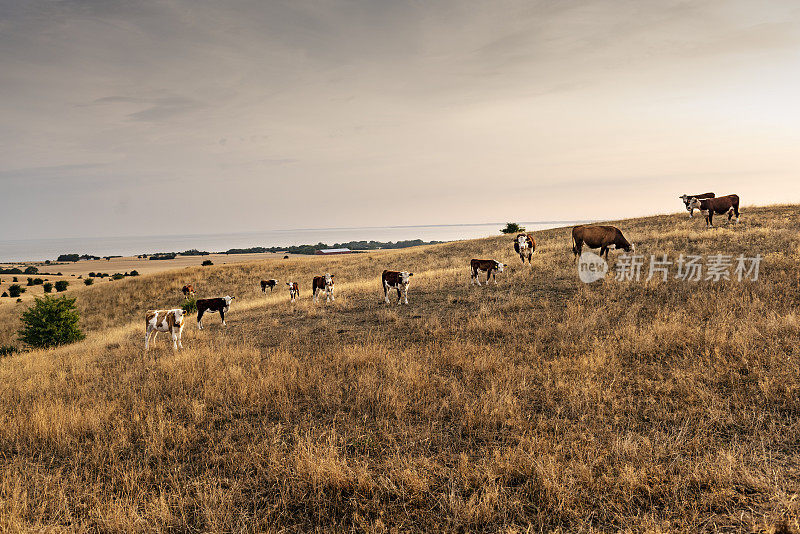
(597, 236)
(396, 280)
(294, 290)
(709, 206)
(164, 321)
(268, 284)
(491, 267)
(187, 290)
(524, 245)
(323, 284)
(688, 198)
(221, 305)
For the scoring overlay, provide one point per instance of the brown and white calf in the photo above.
(268, 284)
(294, 290)
(524, 245)
(688, 198)
(187, 290)
(709, 206)
(323, 284)
(398, 280)
(491, 267)
(164, 321)
(219, 305)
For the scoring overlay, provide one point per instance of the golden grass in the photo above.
(539, 404)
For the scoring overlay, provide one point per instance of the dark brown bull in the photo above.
(268, 284)
(688, 198)
(709, 206)
(524, 245)
(491, 267)
(599, 236)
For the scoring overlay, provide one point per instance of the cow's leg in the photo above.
(399, 298)
(475, 278)
(180, 335)
(174, 339)
(710, 219)
(147, 333)
(200, 319)
(736, 211)
(222, 316)
(333, 297)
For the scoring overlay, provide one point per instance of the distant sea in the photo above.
(50, 249)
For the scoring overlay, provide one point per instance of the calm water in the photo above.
(43, 249)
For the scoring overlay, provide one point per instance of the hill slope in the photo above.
(540, 402)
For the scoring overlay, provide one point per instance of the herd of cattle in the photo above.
(593, 236)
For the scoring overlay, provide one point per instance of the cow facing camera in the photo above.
(591, 267)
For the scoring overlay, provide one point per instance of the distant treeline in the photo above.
(78, 257)
(352, 245)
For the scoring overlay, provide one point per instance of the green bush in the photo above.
(5, 294)
(7, 350)
(134, 273)
(30, 281)
(190, 305)
(31, 270)
(15, 279)
(61, 285)
(51, 321)
(15, 290)
(88, 281)
(48, 287)
(118, 276)
(512, 228)
(207, 262)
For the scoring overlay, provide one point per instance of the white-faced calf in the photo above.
(294, 290)
(268, 284)
(323, 284)
(396, 280)
(219, 305)
(491, 267)
(164, 321)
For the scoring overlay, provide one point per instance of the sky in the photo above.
(190, 116)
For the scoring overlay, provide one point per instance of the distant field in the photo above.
(539, 404)
(72, 270)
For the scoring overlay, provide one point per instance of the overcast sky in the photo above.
(184, 116)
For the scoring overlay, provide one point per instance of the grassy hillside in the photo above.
(538, 404)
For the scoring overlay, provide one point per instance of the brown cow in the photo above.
(164, 321)
(492, 267)
(268, 284)
(709, 206)
(187, 290)
(524, 245)
(687, 199)
(294, 290)
(323, 284)
(597, 236)
(396, 280)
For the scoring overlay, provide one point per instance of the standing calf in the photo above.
(491, 267)
(294, 290)
(323, 284)
(221, 305)
(688, 198)
(524, 245)
(396, 280)
(268, 284)
(164, 321)
(187, 290)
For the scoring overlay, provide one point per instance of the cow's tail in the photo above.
(574, 245)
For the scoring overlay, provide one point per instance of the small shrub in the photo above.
(15, 279)
(88, 281)
(19, 300)
(15, 290)
(51, 321)
(134, 273)
(207, 262)
(31, 270)
(61, 285)
(48, 287)
(5, 294)
(7, 350)
(92, 274)
(512, 228)
(190, 305)
(30, 281)
(118, 276)
(38, 281)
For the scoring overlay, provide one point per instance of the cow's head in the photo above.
(685, 198)
(499, 266)
(328, 280)
(522, 241)
(228, 300)
(180, 315)
(630, 248)
(694, 203)
(405, 277)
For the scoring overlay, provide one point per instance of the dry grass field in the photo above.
(540, 404)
